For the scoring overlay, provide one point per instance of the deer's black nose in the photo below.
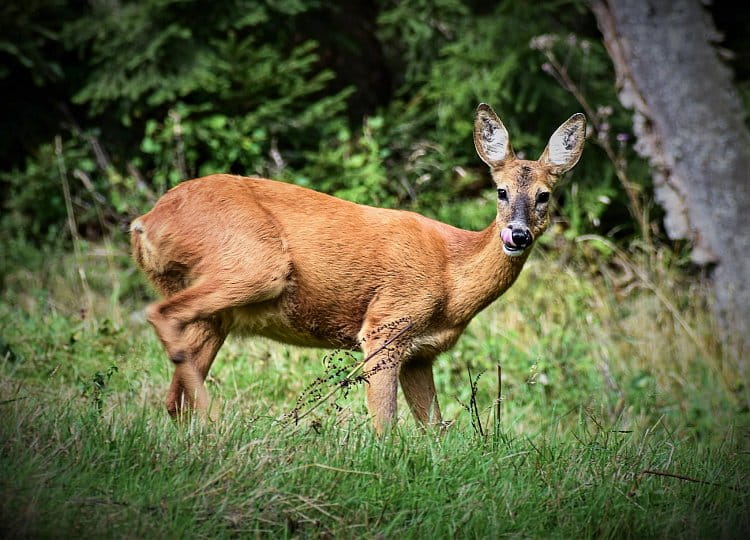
(521, 237)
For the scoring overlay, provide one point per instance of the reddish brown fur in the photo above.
(260, 257)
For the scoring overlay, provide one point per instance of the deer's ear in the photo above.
(565, 146)
(491, 138)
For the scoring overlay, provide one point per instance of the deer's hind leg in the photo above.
(202, 339)
(191, 326)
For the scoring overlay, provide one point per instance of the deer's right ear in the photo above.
(491, 138)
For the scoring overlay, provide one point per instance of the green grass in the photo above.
(620, 418)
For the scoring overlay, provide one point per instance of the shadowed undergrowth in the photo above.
(620, 417)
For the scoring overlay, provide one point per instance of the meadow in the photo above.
(617, 416)
(593, 400)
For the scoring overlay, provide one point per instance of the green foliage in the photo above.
(25, 36)
(415, 31)
(146, 54)
(204, 138)
(352, 166)
(35, 207)
(164, 90)
(35, 203)
(96, 387)
(172, 90)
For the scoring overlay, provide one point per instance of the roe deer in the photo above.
(259, 257)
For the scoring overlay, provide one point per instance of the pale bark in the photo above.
(689, 121)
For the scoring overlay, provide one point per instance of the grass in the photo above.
(620, 418)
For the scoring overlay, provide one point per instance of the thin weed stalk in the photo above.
(98, 200)
(88, 296)
(499, 401)
(471, 407)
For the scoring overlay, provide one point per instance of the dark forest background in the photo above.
(370, 101)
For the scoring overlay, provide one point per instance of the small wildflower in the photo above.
(603, 130)
(423, 179)
(543, 42)
(604, 111)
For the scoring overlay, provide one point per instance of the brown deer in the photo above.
(259, 257)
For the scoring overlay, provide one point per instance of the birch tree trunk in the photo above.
(689, 122)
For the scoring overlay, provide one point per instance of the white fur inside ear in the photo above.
(565, 143)
(493, 138)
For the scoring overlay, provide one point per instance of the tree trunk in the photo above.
(689, 123)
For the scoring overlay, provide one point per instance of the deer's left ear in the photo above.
(565, 146)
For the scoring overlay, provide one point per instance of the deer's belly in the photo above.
(433, 342)
(274, 320)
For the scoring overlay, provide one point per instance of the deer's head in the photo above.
(524, 186)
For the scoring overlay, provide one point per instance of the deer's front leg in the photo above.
(381, 388)
(418, 385)
(383, 350)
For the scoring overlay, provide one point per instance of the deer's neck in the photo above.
(480, 270)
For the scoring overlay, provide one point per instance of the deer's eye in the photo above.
(502, 194)
(543, 197)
